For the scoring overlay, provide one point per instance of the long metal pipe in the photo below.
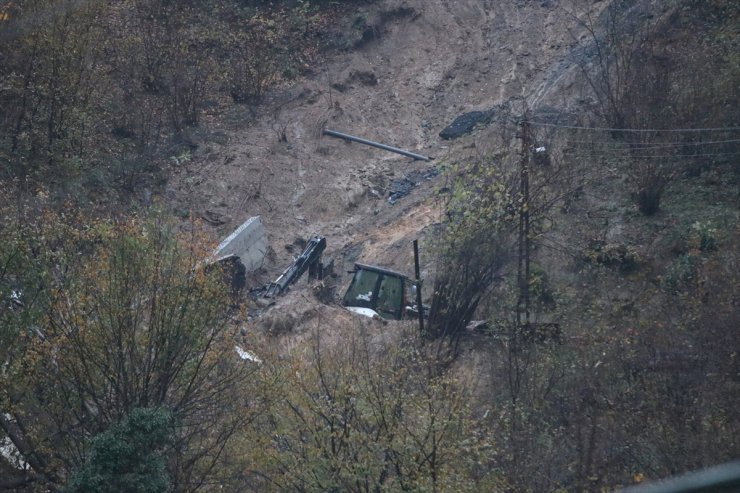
(353, 138)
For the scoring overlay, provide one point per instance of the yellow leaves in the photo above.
(347, 402)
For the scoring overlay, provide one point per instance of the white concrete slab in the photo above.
(248, 242)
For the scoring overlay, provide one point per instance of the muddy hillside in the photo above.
(424, 64)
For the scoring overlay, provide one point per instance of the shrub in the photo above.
(703, 236)
(128, 457)
(624, 258)
(681, 273)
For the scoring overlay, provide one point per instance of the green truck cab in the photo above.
(376, 291)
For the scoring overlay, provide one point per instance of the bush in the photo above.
(703, 236)
(681, 273)
(128, 457)
(360, 411)
(624, 258)
(475, 246)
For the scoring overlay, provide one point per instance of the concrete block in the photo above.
(248, 242)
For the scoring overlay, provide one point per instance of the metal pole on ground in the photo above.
(360, 140)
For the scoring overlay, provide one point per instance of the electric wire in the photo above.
(663, 156)
(651, 145)
(635, 130)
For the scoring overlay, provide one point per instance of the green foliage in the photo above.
(128, 457)
(137, 324)
(541, 287)
(258, 58)
(694, 245)
(83, 83)
(49, 89)
(475, 245)
(22, 301)
(480, 205)
(32, 246)
(356, 413)
(621, 257)
(681, 273)
(638, 83)
(704, 236)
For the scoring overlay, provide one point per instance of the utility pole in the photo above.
(517, 367)
(523, 269)
(417, 273)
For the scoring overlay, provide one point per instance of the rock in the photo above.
(401, 188)
(365, 77)
(219, 137)
(465, 123)
(214, 217)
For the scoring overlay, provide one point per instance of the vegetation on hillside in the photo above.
(100, 321)
(615, 315)
(96, 93)
(603, 261)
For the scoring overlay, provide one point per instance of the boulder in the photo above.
(465, 123)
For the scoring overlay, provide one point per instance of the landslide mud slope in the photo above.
(428, 62)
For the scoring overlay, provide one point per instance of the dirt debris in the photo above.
(465, 124)
(401, 188)
(428, 62)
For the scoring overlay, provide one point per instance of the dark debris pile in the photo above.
(402, 187)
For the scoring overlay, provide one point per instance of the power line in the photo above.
(651, 145)
(635, 130)
(667, 156)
